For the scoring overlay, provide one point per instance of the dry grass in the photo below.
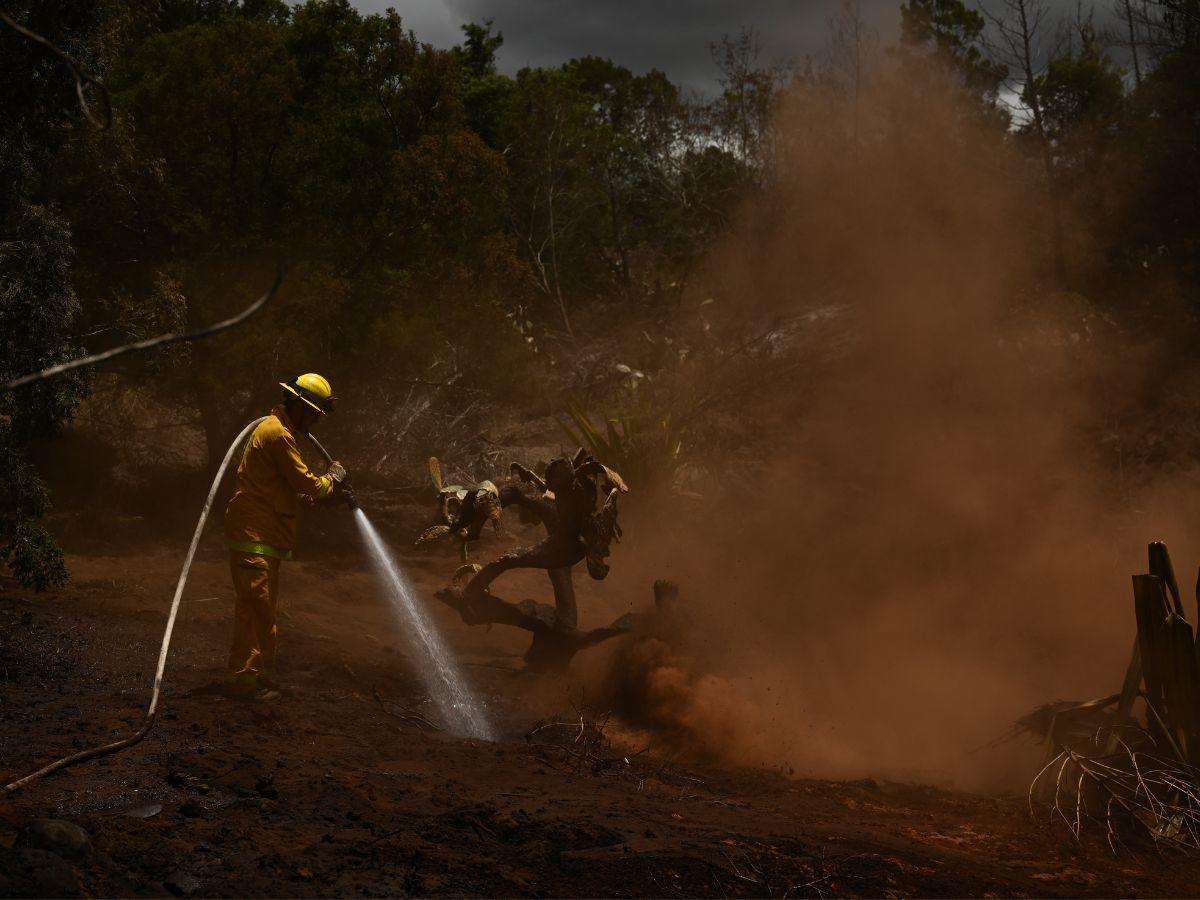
(1134, 791)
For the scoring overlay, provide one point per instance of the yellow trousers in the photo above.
(256, 582)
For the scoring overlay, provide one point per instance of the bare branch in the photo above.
(82, 78)
(161, 341)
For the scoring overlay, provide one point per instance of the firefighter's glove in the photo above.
(337, 472)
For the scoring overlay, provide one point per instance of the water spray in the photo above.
(458, 705)
(450, 693)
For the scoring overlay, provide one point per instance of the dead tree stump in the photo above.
(555, 640)
(576, 505)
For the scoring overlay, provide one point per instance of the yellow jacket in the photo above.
(272, 483)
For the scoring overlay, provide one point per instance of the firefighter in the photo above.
(273, 483)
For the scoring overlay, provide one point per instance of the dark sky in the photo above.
(671, 35)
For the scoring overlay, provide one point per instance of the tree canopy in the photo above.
(450, 229)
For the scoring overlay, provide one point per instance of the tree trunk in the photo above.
(565, 612)
(556, 636)
(618, 235)
(554, 644)
(1039, 123)
(1137, 67)
(558, 294)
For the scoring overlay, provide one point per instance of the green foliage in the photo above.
(25, 546)
(37, 308)
(235, 80)
(1080, 88)
(426, 192)
(1153, 221)
(330, 139)
(945, 38)
(1081, 93)
(485, 92)
(640, 441)
(610, 183)
(37, 94)
(743, 114)
(176, 14)
(452, 229)
(38, 303)
(477, 55)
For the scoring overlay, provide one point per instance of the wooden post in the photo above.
(1198, 610)
(1160, 565)
(1181, 688)
(1165, 658)
(1129, 694)
(1152, 608)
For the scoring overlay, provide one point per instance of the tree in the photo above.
(852, 46)
(1155, 228)
(485, 91)
(548, 139)
(37, 308)
(750, 92)
(1080, 98)
(1019, 29)
(1124, 9)
(336, 142)
(634, 126)
(609, 194)
(433, 212)
(943, 39)
(38, 303)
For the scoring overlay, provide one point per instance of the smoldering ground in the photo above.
(943, 536)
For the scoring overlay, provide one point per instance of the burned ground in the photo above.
(340, 789)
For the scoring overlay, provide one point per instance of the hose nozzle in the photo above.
(344, 487)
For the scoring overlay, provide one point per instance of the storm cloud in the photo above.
(671, 35)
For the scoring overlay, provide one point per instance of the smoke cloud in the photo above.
(940, 541)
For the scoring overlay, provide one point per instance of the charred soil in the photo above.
(340, 788)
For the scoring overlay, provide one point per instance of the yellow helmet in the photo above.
(313, 390)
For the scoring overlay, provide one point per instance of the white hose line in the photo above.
(152, 711)
(187, 563)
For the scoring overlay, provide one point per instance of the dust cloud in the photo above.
(941, 540)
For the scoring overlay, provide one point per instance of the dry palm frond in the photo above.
(1065, 723)
(1134, 789)
(470, 569)
(432, 533)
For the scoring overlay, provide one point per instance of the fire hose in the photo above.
(351, 499)
(152, 711)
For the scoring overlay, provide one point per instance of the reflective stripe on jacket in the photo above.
(272, 483)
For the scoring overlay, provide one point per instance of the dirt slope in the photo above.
(329, 793)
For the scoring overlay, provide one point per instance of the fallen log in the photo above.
(555, 640)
